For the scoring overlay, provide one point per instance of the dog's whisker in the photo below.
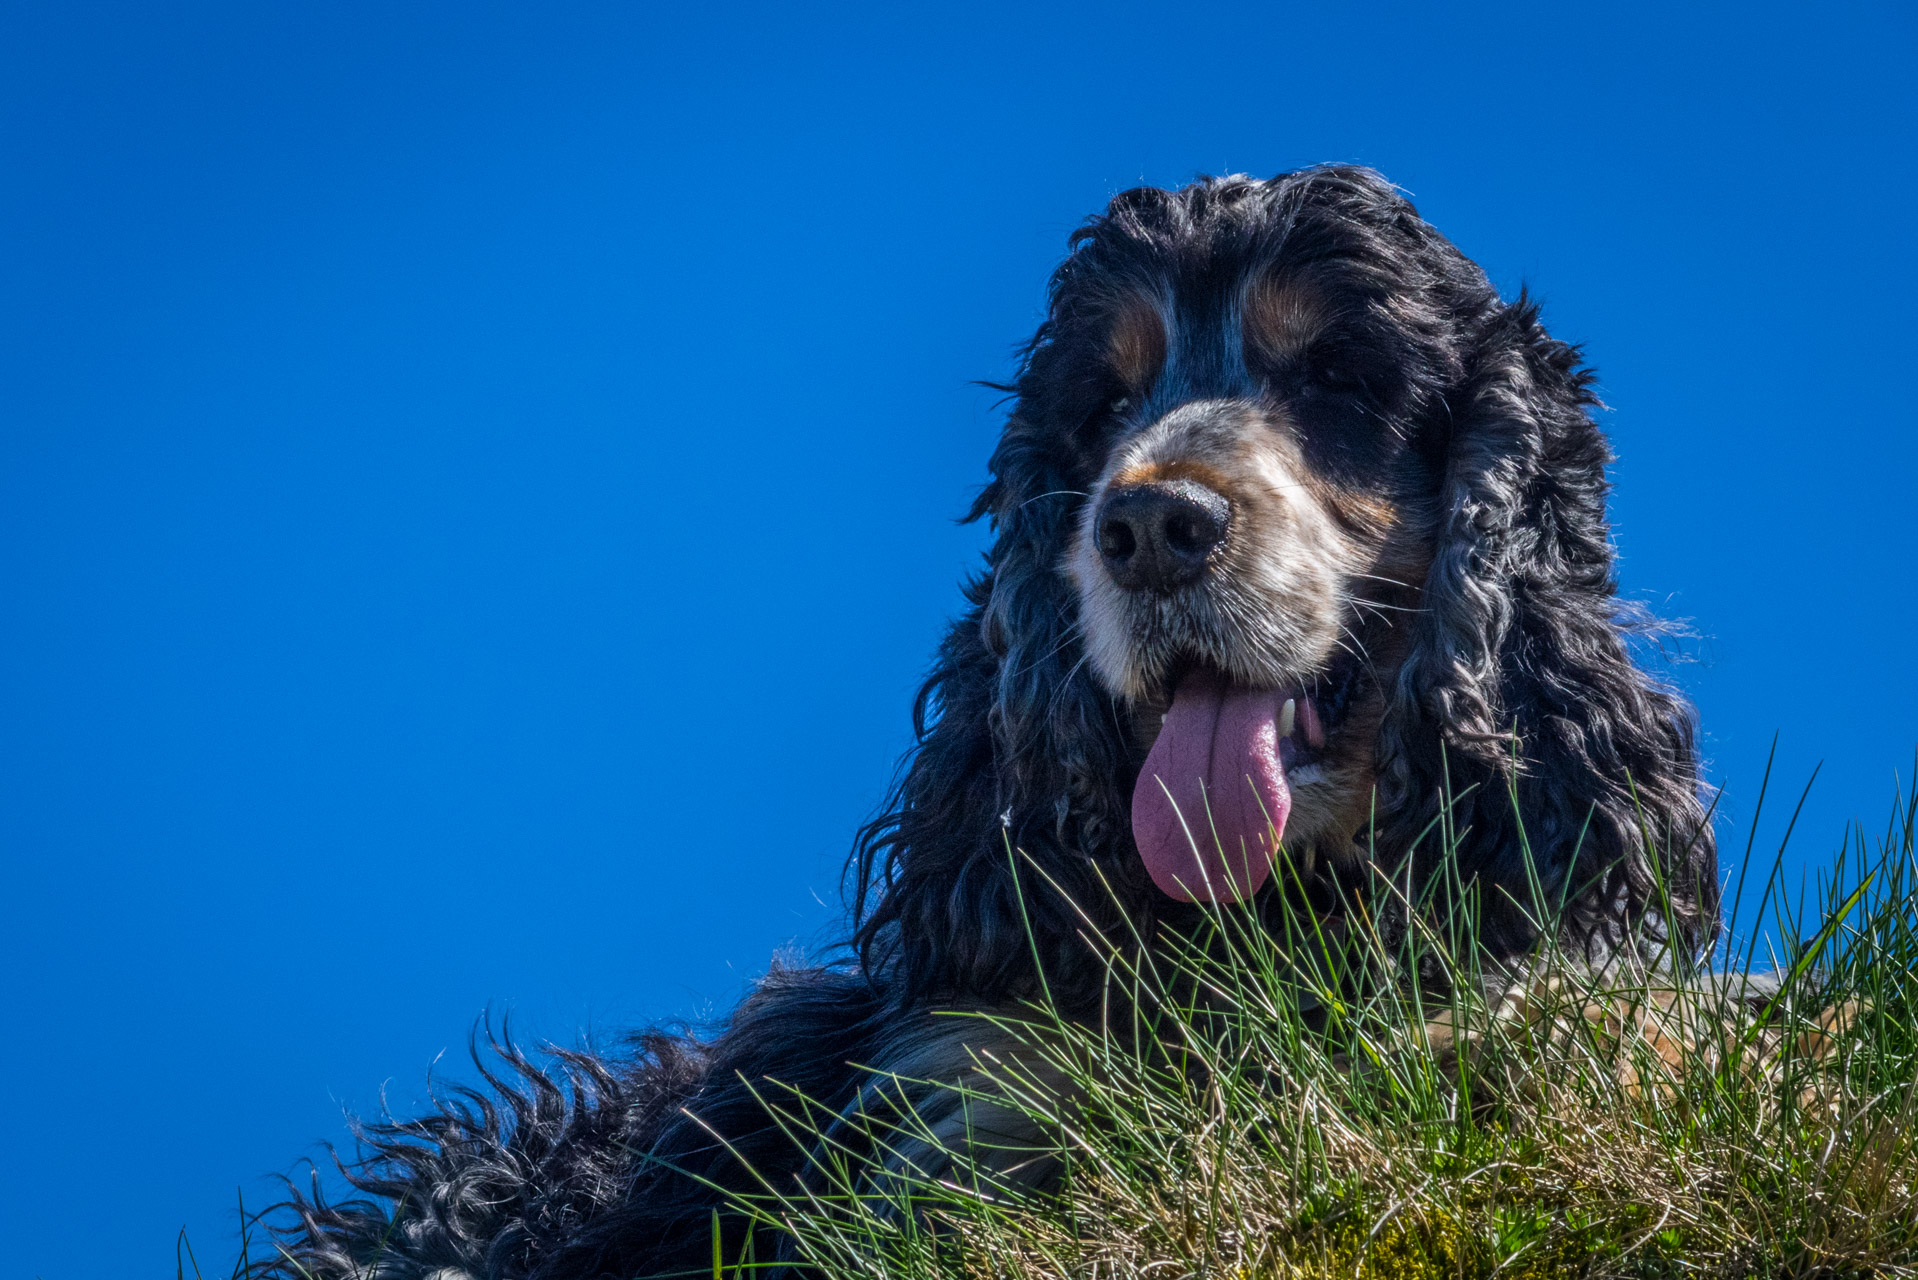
(1065, 684)
(1378, 578)
(1072, 631)
(1379, 606)
(1056, 493)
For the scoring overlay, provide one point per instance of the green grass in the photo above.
(1573, 1122)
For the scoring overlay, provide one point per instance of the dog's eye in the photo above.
(1100, 423)
(1101, 418)
(1336, 377)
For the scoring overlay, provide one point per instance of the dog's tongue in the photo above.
(1213, 771)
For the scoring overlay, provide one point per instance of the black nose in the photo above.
(1157, 536)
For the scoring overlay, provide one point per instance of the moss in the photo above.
(1487, 1235)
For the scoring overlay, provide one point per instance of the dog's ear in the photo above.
(1018, 748)
(1520, 698)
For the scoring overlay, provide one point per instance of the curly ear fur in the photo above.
(1018, 748)
(1519, 693)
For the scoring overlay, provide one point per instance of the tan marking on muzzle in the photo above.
(1357, 512)
(1173, 469)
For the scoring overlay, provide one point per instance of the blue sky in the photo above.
(477, 482)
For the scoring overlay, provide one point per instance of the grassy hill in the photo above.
(1275, 1108)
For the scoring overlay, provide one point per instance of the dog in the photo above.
(1300, 537)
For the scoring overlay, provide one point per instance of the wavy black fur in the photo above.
(1517, 686)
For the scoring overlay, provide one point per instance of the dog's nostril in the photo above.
(1183, 535)
(1160, 536)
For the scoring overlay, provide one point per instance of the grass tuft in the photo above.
(1290, 1102)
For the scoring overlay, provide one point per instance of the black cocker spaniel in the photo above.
(1300, 529)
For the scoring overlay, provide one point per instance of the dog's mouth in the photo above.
(1210, 805)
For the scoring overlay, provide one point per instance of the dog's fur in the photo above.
(1418, 540)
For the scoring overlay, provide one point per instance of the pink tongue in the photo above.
(1214, 770)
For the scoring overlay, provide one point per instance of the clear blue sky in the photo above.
(476, 482)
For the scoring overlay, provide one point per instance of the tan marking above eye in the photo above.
(1137, 345)
(1278, 319)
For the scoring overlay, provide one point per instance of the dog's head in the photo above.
(1301, 535)
(1261, 471)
